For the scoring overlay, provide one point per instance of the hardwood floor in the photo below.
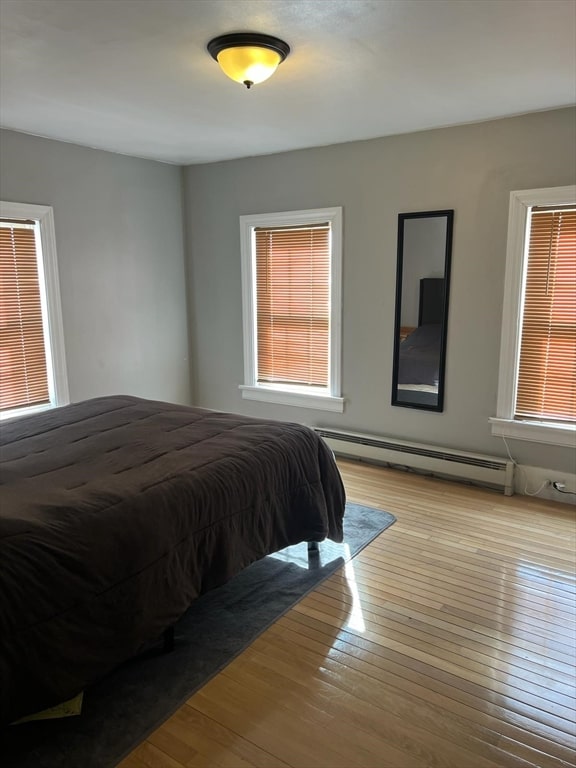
(448, 641)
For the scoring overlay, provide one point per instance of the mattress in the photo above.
(419, 359)
(117, 512)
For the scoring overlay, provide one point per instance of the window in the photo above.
(32, 363)
(291, 279)
(537, 385)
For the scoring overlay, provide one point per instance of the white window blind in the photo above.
(23, 367)
(293, 305)
(546, 387)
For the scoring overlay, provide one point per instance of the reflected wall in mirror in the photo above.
(422, 291)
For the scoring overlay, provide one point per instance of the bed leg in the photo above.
(313, 546)
(168, 644)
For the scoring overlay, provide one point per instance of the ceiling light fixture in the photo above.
(248, 57)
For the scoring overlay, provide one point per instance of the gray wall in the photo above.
(119, 241)
(424, 255)
(470, 168)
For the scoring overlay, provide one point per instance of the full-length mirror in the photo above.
(422, 290)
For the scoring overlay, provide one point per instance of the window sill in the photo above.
(535, 431)
(16, 413)
(287, 397)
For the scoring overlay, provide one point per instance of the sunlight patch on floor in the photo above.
(355, 619)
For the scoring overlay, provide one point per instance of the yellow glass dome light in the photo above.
(248, 57)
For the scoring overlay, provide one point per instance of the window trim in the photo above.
(51, 303)
(323, 399)
(504, 424)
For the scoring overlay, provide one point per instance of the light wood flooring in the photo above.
(448, 641)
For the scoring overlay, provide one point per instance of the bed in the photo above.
(419, 359)
(117, 512)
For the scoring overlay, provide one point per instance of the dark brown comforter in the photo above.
(420, 356)
(117, 512)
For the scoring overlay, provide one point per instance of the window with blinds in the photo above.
(23, 366)
(293, 305)
(546, 384)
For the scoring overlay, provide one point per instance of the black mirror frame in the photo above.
(402, 217)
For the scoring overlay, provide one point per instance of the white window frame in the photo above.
(328, 399)
(504, 424)
(51, 303)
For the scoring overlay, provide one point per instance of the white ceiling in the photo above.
(134, 76)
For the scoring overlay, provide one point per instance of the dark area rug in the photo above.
(123, 708)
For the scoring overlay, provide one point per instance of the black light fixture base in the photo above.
(238, 39)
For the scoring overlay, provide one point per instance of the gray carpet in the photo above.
(121, 710)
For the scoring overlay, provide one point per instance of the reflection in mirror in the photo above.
(422, 289)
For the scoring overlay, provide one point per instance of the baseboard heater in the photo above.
(444, 462)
